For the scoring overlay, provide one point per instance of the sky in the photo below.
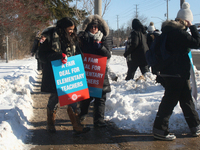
(153, 10)
(130, 105)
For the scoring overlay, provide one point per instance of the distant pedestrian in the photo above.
(176, 75)
(136, 49)
(35, 49)
(60, 42)
(152, 34)
(93, 41)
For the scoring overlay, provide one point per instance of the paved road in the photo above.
(195, 56)
(97, 139)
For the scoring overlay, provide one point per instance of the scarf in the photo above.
(97, 37)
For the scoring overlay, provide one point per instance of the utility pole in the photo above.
(136, 13)
(6, 49)
(181, 2)
(98, 7)
(117, 31)
(167, 10)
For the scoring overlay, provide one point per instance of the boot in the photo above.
(98, 113)
(74, 118)
(51, 115)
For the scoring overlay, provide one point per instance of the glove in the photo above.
(125, 55)
(64, 58)
(32, 54)
(97, 44)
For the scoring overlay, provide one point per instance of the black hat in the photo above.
(65, 22)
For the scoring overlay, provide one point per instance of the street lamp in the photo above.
(158, 18)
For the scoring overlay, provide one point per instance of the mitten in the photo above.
(64, 58)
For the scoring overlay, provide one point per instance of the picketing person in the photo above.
(176, 74)
(136, 49)
(61, 42)
(93, 41)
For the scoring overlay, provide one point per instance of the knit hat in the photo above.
(185, 13)
(151, 27)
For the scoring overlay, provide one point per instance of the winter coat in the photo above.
(179, 42)
(151, 37)
(87, 45)
(137, 47)
(35, 47)
(51, 49)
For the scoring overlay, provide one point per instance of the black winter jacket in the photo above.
(179, 42)
(137, 47)
(47, 53)
(87, 46)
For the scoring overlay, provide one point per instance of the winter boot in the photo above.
(98, 113)
(51, 115)
(74, 118)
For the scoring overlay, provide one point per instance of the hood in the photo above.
(102, 23)
(170, 25)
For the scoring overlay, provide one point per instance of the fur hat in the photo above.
(185, 13)
(151, 27)
(96, 19)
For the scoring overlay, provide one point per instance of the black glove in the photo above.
(125, 55)
(32, 54)
(97, 44)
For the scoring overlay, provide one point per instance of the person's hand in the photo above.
(125, 55)
(64, 58)
(97, 44)
(189, 23)
(32, 54)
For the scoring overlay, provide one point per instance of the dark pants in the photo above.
(53, 102)
(39, 65)
(132, 69)
(99, 108)
(176, 90)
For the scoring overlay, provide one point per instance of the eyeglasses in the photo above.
(93, 27)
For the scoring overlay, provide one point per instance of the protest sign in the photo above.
(95, 67)
(70, 79)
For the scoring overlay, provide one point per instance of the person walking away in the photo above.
(137, 47)
(93, 41)
(61, 42)
(176, 75)
(35, 49)
(152, 34)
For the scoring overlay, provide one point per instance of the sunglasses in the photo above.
(93, 27)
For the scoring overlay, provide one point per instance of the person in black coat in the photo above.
(35, 49)
(93, 41)
(61, 42)
(136, 49)
(176, 77)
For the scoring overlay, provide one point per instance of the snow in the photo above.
(130, 105)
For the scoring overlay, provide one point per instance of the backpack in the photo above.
(157, 56)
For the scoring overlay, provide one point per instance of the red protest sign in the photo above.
(95, 67)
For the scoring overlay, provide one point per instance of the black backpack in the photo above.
(158, 58)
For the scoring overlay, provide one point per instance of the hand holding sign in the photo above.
(64, 58)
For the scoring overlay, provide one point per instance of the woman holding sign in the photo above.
(60, 43)
(93, 41)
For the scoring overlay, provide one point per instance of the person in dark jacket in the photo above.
(35, 49)
(176, 76)
(61, 42)
(93, 41)
(152, 34)
(136, 48)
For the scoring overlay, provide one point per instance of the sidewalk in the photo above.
(97, 139)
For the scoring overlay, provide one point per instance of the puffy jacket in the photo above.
(179, 42)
